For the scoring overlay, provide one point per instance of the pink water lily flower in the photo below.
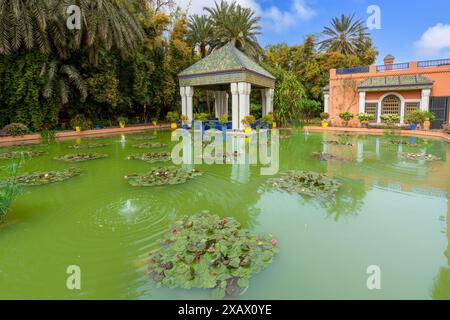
(274, 242)
(211, 249)
(174, 230)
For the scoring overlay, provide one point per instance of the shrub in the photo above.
(172, 116)
(324, 116)
(346, 116)
(201, 116)
(223, 119)
(419, 117)
(81, 121)
(268, 119)
(123, 120)
(16, 129)
(256, 109)
(428, 115)
(365, 117)
(390, 119)
(310, 108)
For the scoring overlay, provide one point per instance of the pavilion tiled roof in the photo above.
(224, 65)
(400, 82)
(227, 58)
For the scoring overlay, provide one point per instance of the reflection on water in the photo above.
(387, 213)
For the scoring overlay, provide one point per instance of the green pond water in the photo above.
(390, 212)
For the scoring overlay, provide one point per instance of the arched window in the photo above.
(391, 105)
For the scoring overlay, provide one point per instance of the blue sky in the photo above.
(410, 30)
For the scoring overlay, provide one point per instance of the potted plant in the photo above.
(414, 118)
(325, 116)
(364, 119)
(223, 120)
(122, 121)
(428, 118)
(346, 117)
(274, 123)
(201, 117)
(184, 122)
(173, 117)
(247, 122)
(267, 121)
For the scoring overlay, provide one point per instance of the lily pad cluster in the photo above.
(403, 143)
(144, 138)
(89, 145)
(80, 157)
(323, 156)
(227, 156)
(152, 157)
(206, 251)
(344, 135)
(338, 143)
(419, 156)
(41, 178)
(307, 183)
(17, 154)
(162, 176)
(150, 145)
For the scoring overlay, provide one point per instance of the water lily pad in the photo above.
(144, 138)
(419, 156)
(16, 154)
(152, 157)
(338, 143)
(344, 135)
(80, 157)
(162, 176)
(323, 156)
(403, 143)
(206, 251)
(42, 178)
(89, 145)
(150, 145)
(307, 183)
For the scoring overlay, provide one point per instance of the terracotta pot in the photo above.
(426, 125)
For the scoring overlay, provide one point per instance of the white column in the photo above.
(402, 111)
(225, 103)
(244, 102)
(269, 105)
(379, 111)
(264, 102)
(425, 101)
(183, 101)
(189, 107)
(235, 105)
(362, 102)
(217, 103)
(326, 102)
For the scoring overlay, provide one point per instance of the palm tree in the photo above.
(343, 35)
(59, 78)
(199, 33)
(233, 23)
(106, 24)
(24, 25)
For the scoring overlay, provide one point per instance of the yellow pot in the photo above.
(77, 129)
(274, 125)
(122, 124)
(324, 124)
(154, 123)
(173, 125)
(248, 130)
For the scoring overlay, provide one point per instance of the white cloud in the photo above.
(272, 18)
(434, 42)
